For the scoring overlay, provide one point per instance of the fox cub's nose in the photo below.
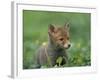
(69, 45)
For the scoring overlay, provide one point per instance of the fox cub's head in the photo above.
(59, 36)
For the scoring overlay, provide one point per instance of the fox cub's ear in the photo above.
(66, 26)
(51, 28)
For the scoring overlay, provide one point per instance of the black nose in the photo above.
(69, 45)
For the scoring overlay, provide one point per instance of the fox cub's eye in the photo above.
(61, 39)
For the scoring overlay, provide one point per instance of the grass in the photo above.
(35, 30)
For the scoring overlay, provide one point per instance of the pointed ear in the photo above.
(66, 26)
(51, 28)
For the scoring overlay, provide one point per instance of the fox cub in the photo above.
(57, 44)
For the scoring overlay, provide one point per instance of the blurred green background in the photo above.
(35, 33)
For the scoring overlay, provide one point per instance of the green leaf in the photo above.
(59, 60)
